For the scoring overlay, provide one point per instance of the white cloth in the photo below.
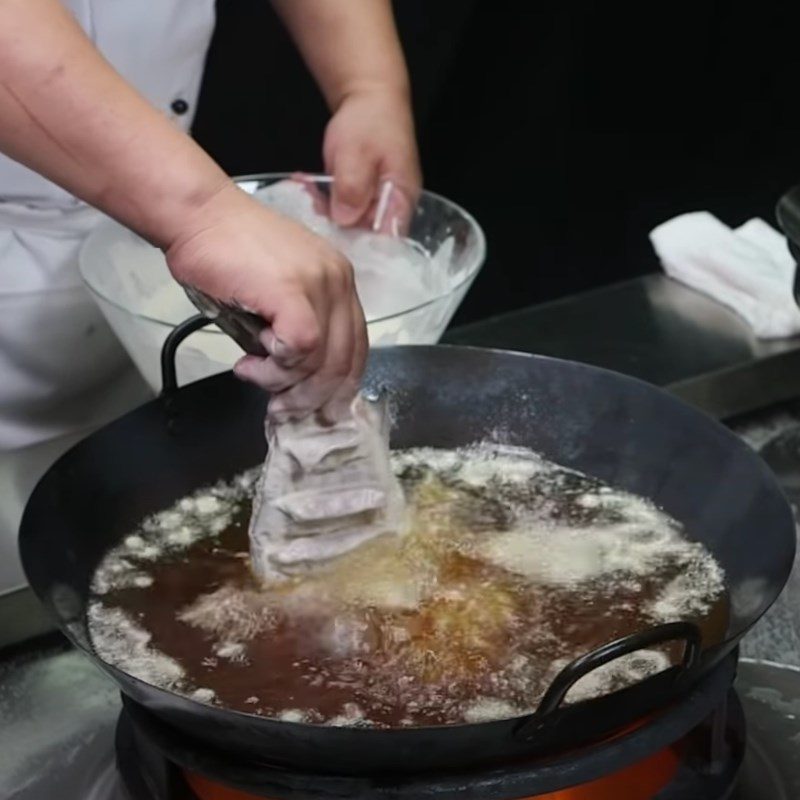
(748, 269)
(324, 490)
(59, 361)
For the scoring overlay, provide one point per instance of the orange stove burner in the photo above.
(640, 781)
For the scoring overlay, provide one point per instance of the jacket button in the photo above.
(179, 107)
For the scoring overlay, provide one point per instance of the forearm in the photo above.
(67, 114)
(349, 45)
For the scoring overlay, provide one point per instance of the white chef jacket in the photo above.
(60, 365)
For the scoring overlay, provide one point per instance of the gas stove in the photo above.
(669, 757)
(733, 738)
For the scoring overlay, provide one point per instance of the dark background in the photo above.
(568, 129)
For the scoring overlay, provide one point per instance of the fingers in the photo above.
(267, 374)
(326, 388)
(316, 390)
(361, 342)
(315, 339)
(293, 342)
(298, 328)
(345, 354)
(341, 399)
(354, 179)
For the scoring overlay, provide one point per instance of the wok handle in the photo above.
(688, 632)
(242, 326)
(169, 350)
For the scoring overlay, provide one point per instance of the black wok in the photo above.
(613, 427)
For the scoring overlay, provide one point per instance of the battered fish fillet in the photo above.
(325, 489)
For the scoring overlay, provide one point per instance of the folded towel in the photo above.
(748, 269)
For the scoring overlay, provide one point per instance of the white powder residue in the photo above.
(119, 573)
(477, 465)
(233, 651)
(439, 461)
(134, 543)
(292, 715)
(207, 504)
(203, 695)
(625, 671)
(231, 612)
(352, 716)
(487, 709)
(556, 554)
(507, 465)
(631, 508)
(194, 518)
(636, 541)
(119, 641)
(206, 513)
(182, 536)
(684, 597)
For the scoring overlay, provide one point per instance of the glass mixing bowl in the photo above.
(130, 281)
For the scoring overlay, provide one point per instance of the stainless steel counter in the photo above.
(658, 330)
(59, 715)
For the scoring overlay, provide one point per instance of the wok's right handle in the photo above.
(687, 632)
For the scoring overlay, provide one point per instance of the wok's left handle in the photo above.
(242, 326)
(169, 350)
(687, 632)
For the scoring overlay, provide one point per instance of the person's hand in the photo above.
(370, 149)
(237, 251)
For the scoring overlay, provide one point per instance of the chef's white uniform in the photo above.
(61, 369)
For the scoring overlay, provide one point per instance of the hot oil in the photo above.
(444, 624)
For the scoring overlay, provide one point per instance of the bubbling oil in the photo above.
(510, 568)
